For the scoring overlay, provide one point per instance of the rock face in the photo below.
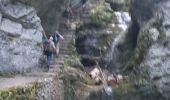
(20, 37)
(98, 36)
(49, 11)
(93, 37)
(153, 50)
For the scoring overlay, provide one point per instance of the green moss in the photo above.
(73, 61)
(125, 87)
(20, 93)
(145, 41)
(14, 72)
(8, 74)
(158, 25)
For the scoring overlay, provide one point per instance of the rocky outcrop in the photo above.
(152, 49)
(119, 5)
(95, 38)
(20, 37)
(49, 11)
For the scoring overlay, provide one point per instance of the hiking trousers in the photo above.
(49, 58)
(57, 47)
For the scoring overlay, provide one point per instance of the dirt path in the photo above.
(55, 69)
(17, 81)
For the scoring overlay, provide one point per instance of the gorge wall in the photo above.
(146, 42)
(21, 37)
(151, 51)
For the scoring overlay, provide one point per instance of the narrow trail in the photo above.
(36, 75)
(55, 70)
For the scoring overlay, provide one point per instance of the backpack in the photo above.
(56, 37)
(47, 46)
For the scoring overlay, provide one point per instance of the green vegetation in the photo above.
(158, 25)
(104, 42)
(8, 74)
(125, 87)
(145, 41)
(20, 93)
(73, 61)
(101, 15)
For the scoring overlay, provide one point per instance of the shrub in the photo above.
(101, 15)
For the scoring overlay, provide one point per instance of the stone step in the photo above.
(65, 52)
(40, 74)
(55, 65)
(59, 62)
(66, 41)
(67, 32)
(67, 36)
(64, 46)
(63, 55)
(55, 70)
(66, 29)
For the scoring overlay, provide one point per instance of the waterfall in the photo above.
(123, 22)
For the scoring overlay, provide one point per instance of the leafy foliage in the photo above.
(101, 15)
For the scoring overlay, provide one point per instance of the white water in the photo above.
(123, 22)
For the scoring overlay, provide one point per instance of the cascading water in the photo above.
(123, 22)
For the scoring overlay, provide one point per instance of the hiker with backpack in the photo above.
(57, 37)
(49, 48)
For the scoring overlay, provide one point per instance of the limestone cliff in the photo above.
(151, 20)
(20, 37)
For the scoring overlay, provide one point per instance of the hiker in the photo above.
(56, 39)
(49, 48)
(67, 14)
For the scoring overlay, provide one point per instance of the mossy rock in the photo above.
(73, 61)
(145, 40)
(20, 93)
(104, 42)
(102, 15)
(77, 83)
(8, 74)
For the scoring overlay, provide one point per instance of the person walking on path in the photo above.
(49, 48)
(57, 37)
